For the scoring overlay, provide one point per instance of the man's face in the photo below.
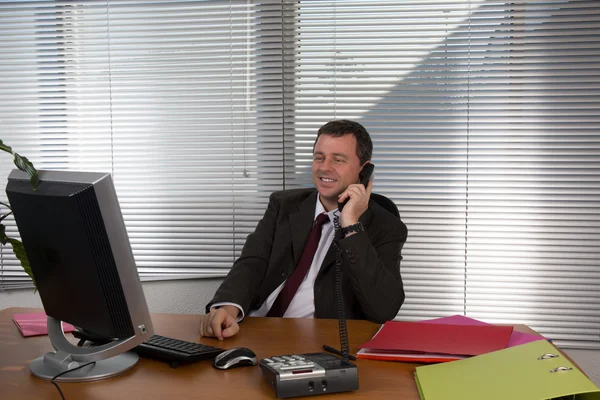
(335, 166)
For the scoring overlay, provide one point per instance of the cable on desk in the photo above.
(65, 372)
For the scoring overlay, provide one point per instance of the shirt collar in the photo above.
(320, 209)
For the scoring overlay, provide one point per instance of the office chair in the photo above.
(386, 203)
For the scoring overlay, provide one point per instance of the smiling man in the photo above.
(287, 266)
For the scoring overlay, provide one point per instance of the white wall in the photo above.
(191, 296)
(177, 297)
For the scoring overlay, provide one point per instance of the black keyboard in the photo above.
(174, 351)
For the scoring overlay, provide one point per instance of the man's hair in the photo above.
(341, 127)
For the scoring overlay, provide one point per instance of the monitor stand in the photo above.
(107, 360)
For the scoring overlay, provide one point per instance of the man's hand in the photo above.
(220, 322)
(358, 203)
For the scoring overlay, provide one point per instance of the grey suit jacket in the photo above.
(372, 285)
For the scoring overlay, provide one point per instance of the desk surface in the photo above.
(151, 379)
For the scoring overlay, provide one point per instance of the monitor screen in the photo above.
(75, 239)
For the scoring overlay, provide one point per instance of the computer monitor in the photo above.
(81, 259)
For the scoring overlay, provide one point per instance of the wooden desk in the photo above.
(151, 379)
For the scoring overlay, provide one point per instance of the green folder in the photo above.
(532, 371)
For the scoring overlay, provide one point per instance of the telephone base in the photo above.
(311, 374)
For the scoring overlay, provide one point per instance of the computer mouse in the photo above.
(236, 357)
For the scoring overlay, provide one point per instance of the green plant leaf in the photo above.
(23, 164)
(3, 237)
(5, 148)
(19, 251)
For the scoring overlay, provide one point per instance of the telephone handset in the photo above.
(365, 175)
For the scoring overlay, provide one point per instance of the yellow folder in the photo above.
(532, 371)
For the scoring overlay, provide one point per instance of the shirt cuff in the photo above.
(240, 315)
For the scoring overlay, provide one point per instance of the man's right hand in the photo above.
(220, 322)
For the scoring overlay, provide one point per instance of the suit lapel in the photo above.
(301, 222)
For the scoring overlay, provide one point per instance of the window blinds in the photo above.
(180, 101)
(484, 117)
(485, 120)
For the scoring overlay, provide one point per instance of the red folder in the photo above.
(419, 342)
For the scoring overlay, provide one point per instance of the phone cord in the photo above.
(339, 295)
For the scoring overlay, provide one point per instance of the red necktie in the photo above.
(292, 284)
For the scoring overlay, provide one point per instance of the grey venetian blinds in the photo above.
(485, 118)
(486, 123)
(179, 100)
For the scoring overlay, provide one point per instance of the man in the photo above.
(371, 242)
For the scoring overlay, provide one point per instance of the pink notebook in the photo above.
(516, 338)
(36, 324)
